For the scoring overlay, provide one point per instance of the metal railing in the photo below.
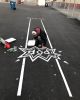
(70, 9)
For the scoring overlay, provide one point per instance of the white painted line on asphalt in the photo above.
(35, 18)
(65, 81)
(58, 64)
(28, 34)
(23, 64)
(47, 34)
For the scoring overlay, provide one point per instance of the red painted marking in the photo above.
(7, 45)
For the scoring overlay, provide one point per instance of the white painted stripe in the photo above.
(58, 64)
(23, 65)
(65, 81)
(28, 34)
(46, 34)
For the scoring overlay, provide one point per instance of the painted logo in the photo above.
(43, 53)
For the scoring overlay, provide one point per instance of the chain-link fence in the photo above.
(70, 9)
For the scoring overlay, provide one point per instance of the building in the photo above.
(34, 2)
(29, 2)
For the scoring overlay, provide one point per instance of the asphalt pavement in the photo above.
(36, 76)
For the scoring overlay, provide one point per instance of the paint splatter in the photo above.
(52, 90)
(65, 62)
(17, 79)
(51, 65)
(21, 46)
(60, 51)
(17, 60)
(54, 74)
(14, 49)
(75, 73)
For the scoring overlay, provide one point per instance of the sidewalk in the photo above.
(71, 13)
